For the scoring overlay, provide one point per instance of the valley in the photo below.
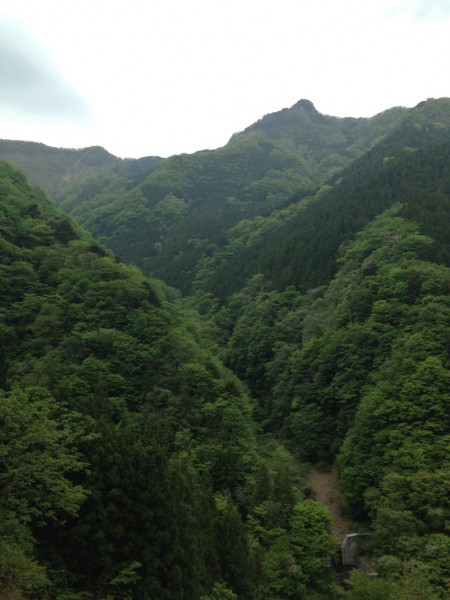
(173, 331)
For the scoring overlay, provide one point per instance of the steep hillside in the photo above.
(327, 144)
(352, 368)
(97, 368)
(298, 246)
(358, 371)
(120, 432)
(128, 457)
(181, 213)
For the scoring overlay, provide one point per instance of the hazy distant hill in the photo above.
(61, 171)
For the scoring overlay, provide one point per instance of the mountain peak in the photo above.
(306, 105)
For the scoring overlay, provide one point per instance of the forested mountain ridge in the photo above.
(357, 372)
(352, 365)
(60, 171)
(326, 143)
(286, 246)
(179, 214)
(91, 349)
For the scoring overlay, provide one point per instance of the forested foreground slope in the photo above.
(129, 462)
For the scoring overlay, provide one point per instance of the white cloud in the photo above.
(30, 84)
(425, 9)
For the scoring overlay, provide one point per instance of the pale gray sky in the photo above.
(161, 77)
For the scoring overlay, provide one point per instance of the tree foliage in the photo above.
(122, 432)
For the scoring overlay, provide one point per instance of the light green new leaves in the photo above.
(39, 448)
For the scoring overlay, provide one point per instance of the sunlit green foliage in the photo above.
(364, 374)
(82, 332)
(40, 444)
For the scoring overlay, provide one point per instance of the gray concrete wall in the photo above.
(350, 549)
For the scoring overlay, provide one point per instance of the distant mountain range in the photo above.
(255, 205)
(57, 170)
(169, 215)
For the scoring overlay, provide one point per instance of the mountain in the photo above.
(286, 246)
(335, 312)
(177, 214)
(330, 314)
(60, 171)
(356, 374)
(326, 143)
(97, 368)
(182, 211)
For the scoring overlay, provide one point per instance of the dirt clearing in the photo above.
(326, 489)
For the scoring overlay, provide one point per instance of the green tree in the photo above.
(311, 539)
(40, 449)
(220, 592)
(40, 443)
(234, 552)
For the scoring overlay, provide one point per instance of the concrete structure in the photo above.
(350, 553)
(350, 549)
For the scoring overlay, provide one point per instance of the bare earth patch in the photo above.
(325, 486)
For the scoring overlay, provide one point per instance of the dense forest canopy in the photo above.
(157, 432)
(122, 435)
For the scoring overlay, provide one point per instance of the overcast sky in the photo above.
(161, 77)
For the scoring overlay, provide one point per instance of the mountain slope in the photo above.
(288, 247)
(353, 367)
(354, 371)
(182, 211)
(128, 455)
(326, 143)
(357, 373)
(96, 368)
